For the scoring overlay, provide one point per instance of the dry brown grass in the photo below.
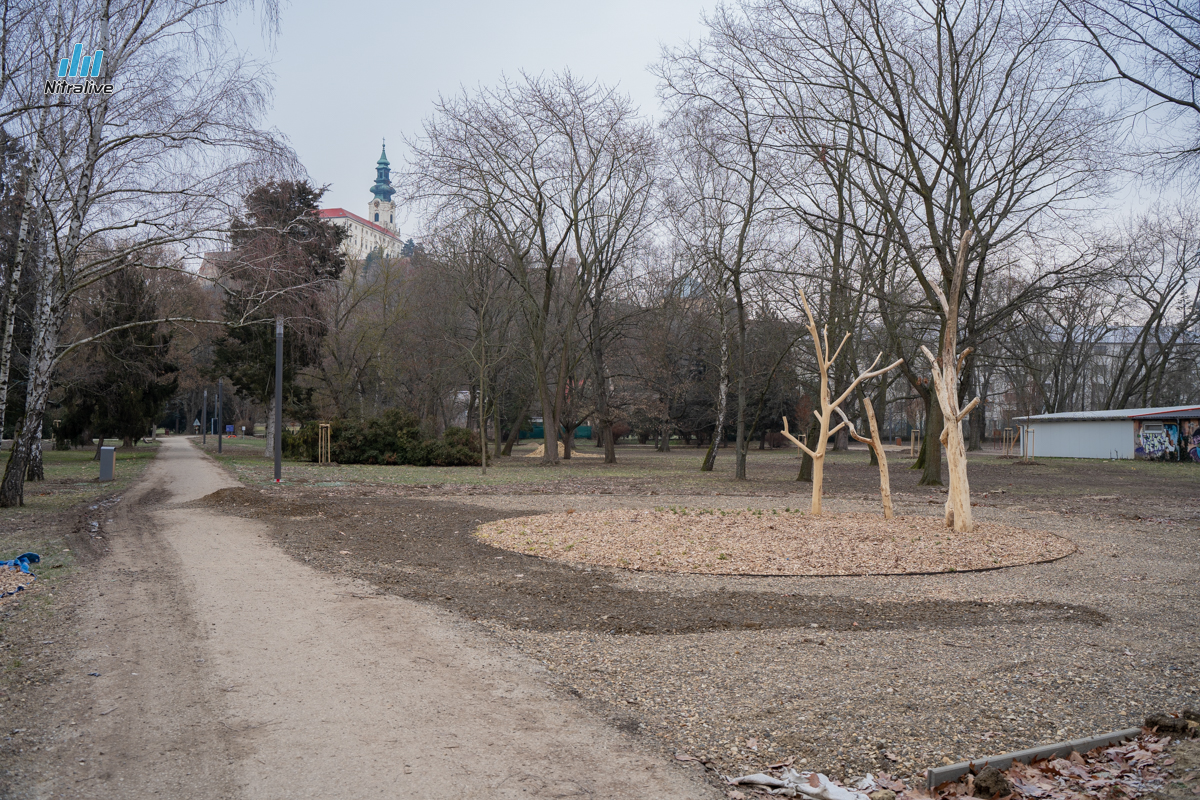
(779, 542)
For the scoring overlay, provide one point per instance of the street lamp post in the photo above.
(220, 417)
(278, 398)
(204, 420)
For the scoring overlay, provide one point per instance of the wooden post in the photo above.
(885, 488)
(323, 448)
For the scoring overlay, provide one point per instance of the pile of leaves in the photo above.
(1117, 772)
(394, 437)
(1128, 770)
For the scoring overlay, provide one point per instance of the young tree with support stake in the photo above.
(828, 406)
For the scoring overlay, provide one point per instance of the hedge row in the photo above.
(395, 437)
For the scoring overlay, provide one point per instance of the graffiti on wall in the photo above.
(1167, 441)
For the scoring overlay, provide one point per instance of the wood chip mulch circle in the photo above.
(778, 542)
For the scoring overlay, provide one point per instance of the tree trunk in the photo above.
(35, 471)
(885, 482)
(99, 444)
(740, 447)
(609, 441)
(496, 428)
(876, 445)
(958, 512)
(978, 428)
(14, 279)
(603, 412)
(880, 402)
(931, 448)
(710, 458)
(841, 440)
(269, 450)
(664, 438)
(806, 462)
(549, 430)
(12, 486)
(48, 320)
(514, 432)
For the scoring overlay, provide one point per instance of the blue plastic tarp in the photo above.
(22, 562)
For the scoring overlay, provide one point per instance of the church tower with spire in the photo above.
(381, 210)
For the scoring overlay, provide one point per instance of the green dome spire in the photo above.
(383, 177)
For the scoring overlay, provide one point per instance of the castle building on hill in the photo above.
(377, 231)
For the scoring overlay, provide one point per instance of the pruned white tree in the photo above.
(946, 367)
(876, 444)
(828, 405)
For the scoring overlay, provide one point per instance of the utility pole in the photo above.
(204, 420)
(278, 398)
(220, 417)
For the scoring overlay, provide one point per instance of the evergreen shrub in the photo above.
(394, 437)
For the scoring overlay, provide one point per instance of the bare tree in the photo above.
(155, 165)
(541, 160)
(719, 199)
(1152, 47)
(946, 366)
(829, 405)
(970, 115)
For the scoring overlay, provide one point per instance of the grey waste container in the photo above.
(108, 463)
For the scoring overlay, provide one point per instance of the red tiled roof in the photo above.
(340, 213)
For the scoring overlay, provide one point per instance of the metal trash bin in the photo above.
(108, 463)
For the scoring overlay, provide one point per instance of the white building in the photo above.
(1161, 434)
(377, 231)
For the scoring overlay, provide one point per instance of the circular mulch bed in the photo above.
(723, 542)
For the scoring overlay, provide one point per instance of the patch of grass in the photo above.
(71, 477)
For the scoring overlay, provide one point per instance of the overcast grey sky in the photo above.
(351, 72)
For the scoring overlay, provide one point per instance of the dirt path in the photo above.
(228, 669)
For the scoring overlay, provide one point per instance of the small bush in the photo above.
(393, 438)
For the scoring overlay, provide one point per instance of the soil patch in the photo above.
(426, 550)
(721, 542)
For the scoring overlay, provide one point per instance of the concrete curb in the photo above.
(936, 777)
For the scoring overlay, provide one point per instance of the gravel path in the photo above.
(208, 664)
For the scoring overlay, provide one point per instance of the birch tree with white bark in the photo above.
(154, 166)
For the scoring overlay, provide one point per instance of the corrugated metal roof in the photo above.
(1168, 412)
